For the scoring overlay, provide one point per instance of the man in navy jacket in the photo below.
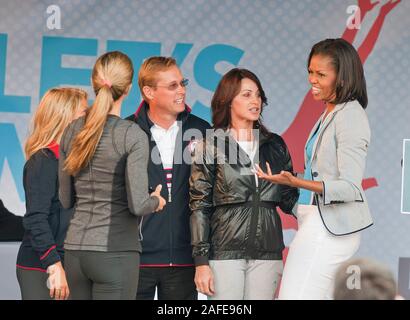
(166, 260)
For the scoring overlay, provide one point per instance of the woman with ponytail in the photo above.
(103, 174)
(45, 221)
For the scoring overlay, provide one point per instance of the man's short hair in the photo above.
(147, 75)
(374, 281)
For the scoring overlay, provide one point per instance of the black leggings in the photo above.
(33, 284)
(93, 275)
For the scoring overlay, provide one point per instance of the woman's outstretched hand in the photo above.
(284, 177)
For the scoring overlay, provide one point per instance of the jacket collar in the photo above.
(323, 125)
(141, 116)
(222, 134)
(54, 147)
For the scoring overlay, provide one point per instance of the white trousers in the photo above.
(245, 279)
(313, 258)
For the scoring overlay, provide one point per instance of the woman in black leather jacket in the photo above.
(236, 231)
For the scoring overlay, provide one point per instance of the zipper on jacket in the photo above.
(170, 232)
(170, 227)
(250, 247)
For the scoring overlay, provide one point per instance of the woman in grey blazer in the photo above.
(332, 207)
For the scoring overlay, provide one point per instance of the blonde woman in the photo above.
(46, 221)
(103, 171)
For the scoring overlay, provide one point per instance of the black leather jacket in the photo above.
(232, 217)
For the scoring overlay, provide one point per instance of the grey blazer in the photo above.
(338, 160)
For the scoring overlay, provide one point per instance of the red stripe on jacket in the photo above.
(48, 252)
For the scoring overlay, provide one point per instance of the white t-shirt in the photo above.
(165, 140)
(250, 148)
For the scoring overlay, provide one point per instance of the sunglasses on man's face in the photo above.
(174, 85)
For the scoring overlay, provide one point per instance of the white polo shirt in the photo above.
(165, 140)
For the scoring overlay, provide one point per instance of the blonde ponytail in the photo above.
(111, 78)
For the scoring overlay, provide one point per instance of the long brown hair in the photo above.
(55, 111)
(111, 78)
(350, 80)
(228, 88)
